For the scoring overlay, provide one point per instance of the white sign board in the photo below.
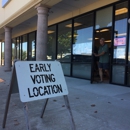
(40, 80)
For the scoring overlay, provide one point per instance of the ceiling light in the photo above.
(92, 39)
(50, 31)
(121, 34)
(104, 30)
(75, 25)
(75, 35)
(121, 11)
(108, 41)
(97, 31)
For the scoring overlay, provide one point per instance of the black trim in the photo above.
(35, 45)
(93, 44)
(56, 40)
(127, 47)
(127, 51)
(27, 46)
(72, 39)
(112, 37)
(21, 47)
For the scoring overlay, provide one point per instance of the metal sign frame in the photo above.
(13, 88)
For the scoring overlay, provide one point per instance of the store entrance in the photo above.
(106, 34)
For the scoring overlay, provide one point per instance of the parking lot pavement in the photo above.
(94, 107)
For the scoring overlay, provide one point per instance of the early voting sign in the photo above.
(35, 80)
(40, 80)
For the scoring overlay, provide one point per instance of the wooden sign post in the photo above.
(35, 80)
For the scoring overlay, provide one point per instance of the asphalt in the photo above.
(98, 106)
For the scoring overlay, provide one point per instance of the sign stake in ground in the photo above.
(25, 107)
(35, 80)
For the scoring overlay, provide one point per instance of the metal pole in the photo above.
(8, 98)
(44, 107)
(6, 109)
(26, 115)
(71, 116)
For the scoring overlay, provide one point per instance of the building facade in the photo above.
(68, 31)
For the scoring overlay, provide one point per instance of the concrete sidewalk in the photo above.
(94, 107)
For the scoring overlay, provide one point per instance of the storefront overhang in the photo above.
(26, 19)
(26, 12)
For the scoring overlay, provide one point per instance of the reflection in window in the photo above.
(118, 73)
(51, 45)
(2, 53)
(82, 70)
(83, 41)
(119, 54)
(13, 50)
(31, 46)
(128, 76)
(82, 46)
(64, 41)
(66, 68)
(18, 48)
(129, 48)
(24, 48)
(83, 33)
(104, 18)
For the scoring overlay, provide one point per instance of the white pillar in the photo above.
(42, 28)
(8, 48)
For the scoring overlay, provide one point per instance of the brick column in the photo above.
(42, 28)
(8, 48)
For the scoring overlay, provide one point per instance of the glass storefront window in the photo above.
(83, 35)
(51, 45)
(2, 53)
(24, 47)
(66, 68)
(14, 52)
(120, 43)
(64, 45)
(32, 44)
(129, 46)
(120, 33)
(64, 41)
(104, 18)
(82, 70)
(118, 73)
(129, 49)
(128, 76)
(82, 46)
(18, 48)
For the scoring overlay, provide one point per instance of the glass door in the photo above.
(104, 33)
(120, 44)
(103, 29)
(82, 46)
